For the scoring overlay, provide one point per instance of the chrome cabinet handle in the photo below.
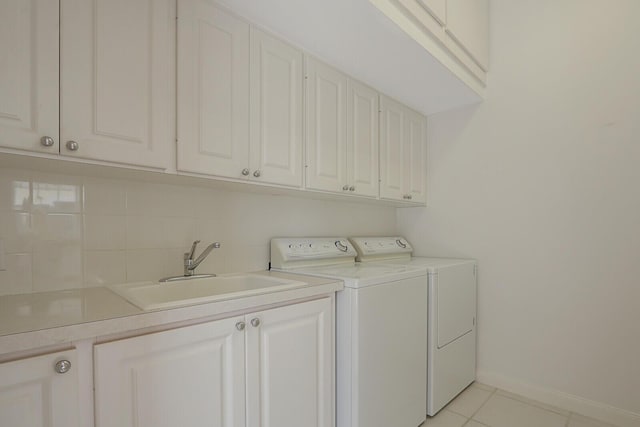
(240, 326)
(345, 187)
(72, 145)
(256, 174)
(245, 171)
(255, 322)
(62, 366)
(409, 197)
(47, 141)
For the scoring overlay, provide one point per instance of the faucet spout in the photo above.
(190, 264)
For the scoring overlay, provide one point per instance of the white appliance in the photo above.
(451, 341)
(381, 330)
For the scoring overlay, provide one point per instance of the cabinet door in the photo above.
(275, 148)
(192, 376)
(33, 394)
(290, 367)
(29, 74)
(415, 156)
(326, 127)
(213, 90)
(117, 89)
(362, 139)
(468, 24)
(392, 146)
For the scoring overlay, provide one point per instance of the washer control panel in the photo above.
(297, 252)
(378, 248)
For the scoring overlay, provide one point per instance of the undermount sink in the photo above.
(156, 295)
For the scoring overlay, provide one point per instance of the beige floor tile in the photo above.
(473, 423)
(533, 402)
(445, 418)
(469, 401)
(579, 421)
(501, 411)
(483, 386)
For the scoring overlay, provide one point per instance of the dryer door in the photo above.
(453, 290)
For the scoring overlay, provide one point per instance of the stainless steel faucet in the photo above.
(190, 264)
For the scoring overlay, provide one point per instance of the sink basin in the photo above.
(155, 295)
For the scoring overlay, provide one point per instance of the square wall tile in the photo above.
(57, 268)
(104, 232)
(15, 190)
(104, 197)
(145, 232)
(16, 232)
(17, 278)
(63, 229)
(56, 193)
(169, 200)
(179, 232)
(102, 268)
(146, 264)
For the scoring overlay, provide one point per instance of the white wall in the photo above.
(64, 232)
(541, 183)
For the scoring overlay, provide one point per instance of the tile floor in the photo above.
(483, 406)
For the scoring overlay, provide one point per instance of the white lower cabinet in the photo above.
(34, 394)
(272, 368)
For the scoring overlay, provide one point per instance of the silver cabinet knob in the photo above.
(62, 366)
(345, 187)
(409, 197)
(72, 146)
(245, 171)
(240, 326)
(255, 322)
(47, 141)
(257, 174)
(352, 188)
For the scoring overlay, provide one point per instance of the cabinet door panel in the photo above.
(437, 8)
(468, 24)
(362, 137)
(392, 148)
(116, 73)
(415, 151)
(213, 90)
(290, 366)
(192, 376)
(326, 127)
(32, 394)
(29, 74)
(276, 110)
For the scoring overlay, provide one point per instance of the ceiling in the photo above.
(354, 36)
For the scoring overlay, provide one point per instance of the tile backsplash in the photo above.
(64, 232)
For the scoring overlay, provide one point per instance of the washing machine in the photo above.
(381, 330)
(451, 339)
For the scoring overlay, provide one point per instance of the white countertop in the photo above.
(32, 321)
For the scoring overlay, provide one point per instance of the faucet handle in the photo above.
(189, 255)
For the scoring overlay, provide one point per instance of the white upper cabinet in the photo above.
(213, 90)
(468, 24)
(275, 110)
(239, 98)
(29, 58)
(326, 109)
(106, 95)
(33, 394)
(342, 132)
(362, 139)
(402, 153)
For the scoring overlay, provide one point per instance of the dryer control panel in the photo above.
(294, 252)
(381, 248)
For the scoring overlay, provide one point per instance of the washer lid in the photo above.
(362, 275)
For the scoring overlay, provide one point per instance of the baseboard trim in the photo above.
(600, 411)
